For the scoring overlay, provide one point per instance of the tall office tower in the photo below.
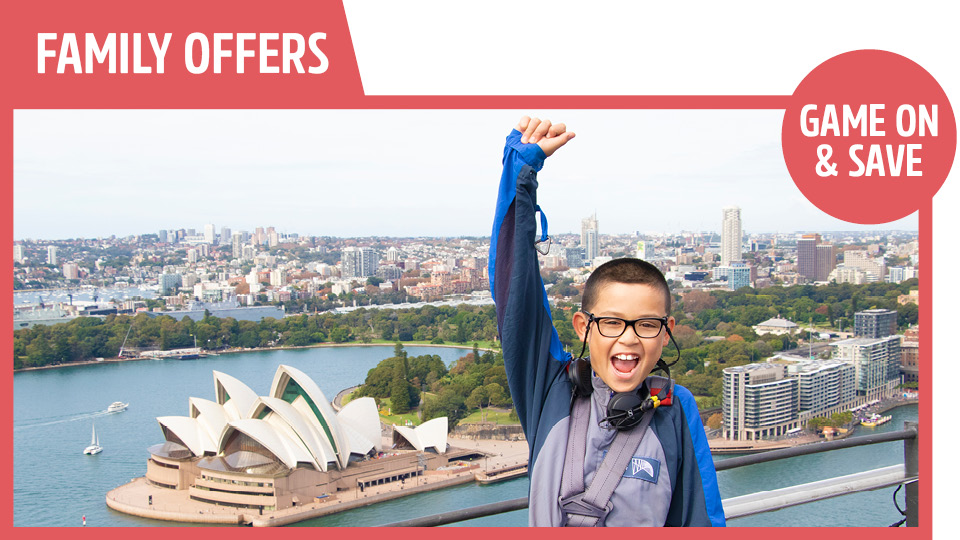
(162, 236)
(815, 260)
(237, 240)
(825, 262)
(209, 233)
(393, 254)
(645, 250)
(807, 255)
(358, 262)
(225, 236)
(875, 323)
(731, 236)
(191, 256)
(273, 238)
(590, 237)
(258, 236)
(18, 253)
(52, 255)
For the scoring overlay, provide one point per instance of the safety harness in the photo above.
(582, 506)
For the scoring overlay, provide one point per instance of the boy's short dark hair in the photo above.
(624, 271)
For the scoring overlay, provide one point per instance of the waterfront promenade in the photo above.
(719, 445)
(176, 505)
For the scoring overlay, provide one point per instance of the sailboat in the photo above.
(94, 447)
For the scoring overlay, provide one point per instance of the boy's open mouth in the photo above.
(625, 362)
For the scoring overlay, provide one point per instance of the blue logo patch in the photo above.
(643, 468)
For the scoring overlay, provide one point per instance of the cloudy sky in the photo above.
(395, 173)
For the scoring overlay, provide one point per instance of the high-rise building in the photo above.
(758, 402)
(574, 257)
(168, 283)
(359, 262)
(590, 237)
(226, 236)
(191, 256)
(645, 250)
(807, 255)
(815, 259)
(162, 236)
(71, 271)
(862, 260)
(875, 323)
(731, 236)
(770, 399)
(825, 261)
(897, 274)
(739, 276)
(209, 233)
(877, 362)
(824, 386)
(236, 240)
(52, 255)
(18, 253)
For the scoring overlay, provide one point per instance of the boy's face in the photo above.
(624, 362)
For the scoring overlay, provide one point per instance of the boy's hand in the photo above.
(542, 132)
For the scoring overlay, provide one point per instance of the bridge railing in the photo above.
(768, 501)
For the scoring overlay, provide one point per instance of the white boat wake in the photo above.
(49, 421)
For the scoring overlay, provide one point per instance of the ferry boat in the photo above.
(117, 406)
(875, 420)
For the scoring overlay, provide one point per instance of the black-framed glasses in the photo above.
(614, 327)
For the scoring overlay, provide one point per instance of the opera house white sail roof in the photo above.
(294, 426)
(430, 434)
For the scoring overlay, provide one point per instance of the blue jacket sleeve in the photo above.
(696, 496)
(532, 352)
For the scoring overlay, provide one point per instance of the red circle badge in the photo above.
(869, 136)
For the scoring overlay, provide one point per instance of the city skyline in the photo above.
(101, 173)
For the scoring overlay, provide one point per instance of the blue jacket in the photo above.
(679, 487)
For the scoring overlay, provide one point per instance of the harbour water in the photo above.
(56, 485)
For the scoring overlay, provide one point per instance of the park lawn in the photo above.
(398, 419)
(492, 415)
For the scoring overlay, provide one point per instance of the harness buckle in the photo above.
(575, 505)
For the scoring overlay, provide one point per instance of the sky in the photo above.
(93, 173)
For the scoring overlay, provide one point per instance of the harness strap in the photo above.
(579, 508)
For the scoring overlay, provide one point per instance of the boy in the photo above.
(629, 448)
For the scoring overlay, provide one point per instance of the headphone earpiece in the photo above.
(580, 373)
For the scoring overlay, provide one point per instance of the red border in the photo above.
(340, 88)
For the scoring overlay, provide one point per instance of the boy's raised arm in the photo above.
(531, 348)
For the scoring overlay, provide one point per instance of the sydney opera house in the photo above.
(273, 452)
